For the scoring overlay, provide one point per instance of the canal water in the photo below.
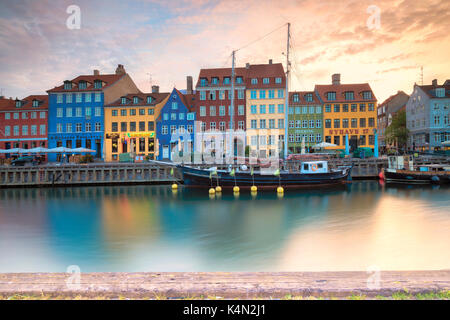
(149, 228)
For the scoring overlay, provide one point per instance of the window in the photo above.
(354, 107)
(78, 98)
(123, 112)
(262, 109)
(318, 137)
(16, 115)
(318, 123)
(202, 95)
(69, 128)
(98, 97)
(239, 80)
(281, 108)
(98, 111)
(362, 107)
(318, 109)
(253, 94)
(59, 98)
(327, 123)
(132, 112)
(7, 131)
(271, 108)
(437, 120)
(151, 126)
(291, 124)
(97, 84)
(68, 112)
(254, 81)
(253, 124)
(349, 95)
(277, 80)
(311, 123)
(362, 140)
(280, 123)
(367, 95)
(337, 140)
(114, 113)
(337, 123)
(212, 95)
(173, 129)
(88, 127)
(165, 116)
(362, 122)
(42, 129)
(262, 94)
(371, 107)
(164, 130)
(337, 108)
(241, 125)
(212, 126)
(253, 109)
(344, 123)
(78, 127)
(16, 130)
(190, 116)
(271, 123)
(173, 116)
(371, 139)
(88, 111)
(7, 116)
(309, 97)
(203, 82)
(69, 98)
(59, 112)
(78, 112)
(202, 111)
(87, 97)
(295, 97)
(203, 127)
(262, 123)
(190, 128)
(151, 111)
(241, 94)
(345, 108)
(133, 126)
(371, 122)
(35, 103)
(280, 93)
(331, 96)
(123, 126)
(328, 108)
(212, 111)
(141, 125)
(114, 127)
(241, 110)
(305, 123)
(266, 80)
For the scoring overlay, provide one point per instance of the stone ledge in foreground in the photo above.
(224, 284)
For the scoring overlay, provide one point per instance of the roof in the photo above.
(188, 100)
(302, 98)
(220, 73)
(340, 89)
(156, 98)
(107, 79)
(27, 103)
(430, 90)
(271, 71)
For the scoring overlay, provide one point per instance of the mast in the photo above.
(286, 104)
(230, 149)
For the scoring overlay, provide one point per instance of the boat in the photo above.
(313, 173)
(402, 169)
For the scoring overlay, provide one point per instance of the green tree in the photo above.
(396, 132)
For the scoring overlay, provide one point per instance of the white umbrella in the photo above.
(37, 150)
(14, 150)
(82, 150)
(446, 143)
(324, 145)
(60, 150)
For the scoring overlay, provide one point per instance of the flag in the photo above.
(277, 172)
(251, 171)
(210, 174)
(232, 173)
(171, 172)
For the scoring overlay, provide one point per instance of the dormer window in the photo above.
(203, 82)
(254, 81)
(67, 85)
(97, 84)
(123, 100)
(135, 100)
(309, 97)
(349, 95)
(82, 85)
(226, 80)
(440, 92)
(367, 95)
(239, 80)
(296, 98)
(18, 103)
(215, 80)
(35, 103)
(277, 80)
(266, 80)
(331, 96)
(149, 99)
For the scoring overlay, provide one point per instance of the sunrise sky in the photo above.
(173, 39)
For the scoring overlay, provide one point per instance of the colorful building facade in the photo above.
(386, 111)
(175, 125)
(305, 121)
(76, 113)
(428, 116)
(348, 110)
(265, 112)
(130, 125)
(23, 123)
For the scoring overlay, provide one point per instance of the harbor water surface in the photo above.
(360, 226)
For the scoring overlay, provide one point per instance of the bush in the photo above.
(87, 158)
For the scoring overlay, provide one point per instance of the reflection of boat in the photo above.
(310, 173)
(401, 169)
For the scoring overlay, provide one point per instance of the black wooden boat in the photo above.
(311, 173)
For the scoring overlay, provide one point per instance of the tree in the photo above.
(396, 132)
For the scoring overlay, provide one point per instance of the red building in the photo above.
(23, 123)
(213, 103)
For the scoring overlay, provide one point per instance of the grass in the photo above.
(401, 295)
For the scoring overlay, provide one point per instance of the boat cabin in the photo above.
(314, 167)
(401, 162)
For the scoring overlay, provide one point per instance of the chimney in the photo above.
(189, 84)
(96, 72)
(434, 82)
(155, 89)
(247, 65)
(120, 69)
(270, 61)
(336, 79)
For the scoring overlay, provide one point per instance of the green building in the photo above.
(305, 121)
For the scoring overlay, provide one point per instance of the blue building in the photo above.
(175, 125)
(76, 114)
(428, 116)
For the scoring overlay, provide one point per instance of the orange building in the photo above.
(348, 109)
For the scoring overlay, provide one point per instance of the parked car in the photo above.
(21, 161)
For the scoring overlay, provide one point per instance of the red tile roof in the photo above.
(27, 103)
(107, 79)
(430, 90)
(188, 100)
(302, 98)
(220, 73)
(271, 71)
(156, 98)
(7, 104)
(340, 89)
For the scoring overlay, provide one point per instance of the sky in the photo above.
(162, 42)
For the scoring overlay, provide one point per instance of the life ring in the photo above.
(314, 167)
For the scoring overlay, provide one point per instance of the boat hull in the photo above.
(416, 177)
(201, 178)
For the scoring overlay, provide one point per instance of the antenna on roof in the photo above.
(150, 79)
(421, 75)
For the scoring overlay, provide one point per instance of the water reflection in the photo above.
(150, 228)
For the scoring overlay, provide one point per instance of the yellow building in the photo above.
(348, 109)
(265, 116)
(130, 125)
